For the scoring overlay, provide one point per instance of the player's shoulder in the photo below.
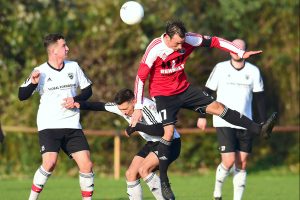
(155, 43)
(71, 63)
(252, 67)
(222, 65)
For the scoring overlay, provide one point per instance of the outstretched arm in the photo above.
(247, 54)
(154, 129)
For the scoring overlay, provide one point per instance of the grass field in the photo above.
(260, 186)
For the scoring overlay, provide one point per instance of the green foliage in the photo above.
(109, 51)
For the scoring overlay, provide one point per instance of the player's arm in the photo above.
(260, 105)
(94, 106)
(84, 95)
(140, 80)
(225, 45)
(28, 87)
(153, 129)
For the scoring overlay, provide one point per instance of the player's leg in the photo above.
(76, 146)
(146, 171)
(168, 107)
(49, 147)
(227, 147)
(240, 173)
(134, 188)
(236, 118)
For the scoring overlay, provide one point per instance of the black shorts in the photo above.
(152, 147)
(192, 98)
(69, 140)
(232, 140)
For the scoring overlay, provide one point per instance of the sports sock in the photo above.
(239, 183)
(153, 182)
(86, 181)
(239, 119)
(134, 190)
(39, 181)
(164, 150)
(221, 174)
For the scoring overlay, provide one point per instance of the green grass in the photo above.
(260, 186)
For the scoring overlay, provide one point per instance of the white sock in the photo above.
(39, 181)
(86, 181)
(239, 183)
(221, 174)
(134, 190)
(153, 181)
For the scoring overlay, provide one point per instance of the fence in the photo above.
(117, 134)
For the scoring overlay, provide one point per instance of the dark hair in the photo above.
(124, 95)
(52, 38)
(175, 27)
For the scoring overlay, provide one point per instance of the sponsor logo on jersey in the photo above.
(71, 75)
(172, 70)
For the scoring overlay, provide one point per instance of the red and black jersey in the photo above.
(166, 66)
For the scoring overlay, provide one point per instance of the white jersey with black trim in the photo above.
(150, 116)
(55, 85)
(235, 88)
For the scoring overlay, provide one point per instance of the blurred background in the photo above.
(109, 52)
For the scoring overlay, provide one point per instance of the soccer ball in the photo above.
(131, 12)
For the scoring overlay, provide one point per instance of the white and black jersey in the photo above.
(235, 88)
(150, 115)
(55, 85)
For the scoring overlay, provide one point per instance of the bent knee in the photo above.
(131, 175)
(49, 165)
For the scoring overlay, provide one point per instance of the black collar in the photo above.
(236, 68)
(56, 68)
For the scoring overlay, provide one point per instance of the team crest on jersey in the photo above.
(71, 75)
(247, 76)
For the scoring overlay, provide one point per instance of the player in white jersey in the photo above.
(236, 83)
(145, 162)
(58, 123)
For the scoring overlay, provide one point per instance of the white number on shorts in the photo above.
(163, 114)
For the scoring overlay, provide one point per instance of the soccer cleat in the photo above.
(267, 127)
(217, 198)
(166, 191)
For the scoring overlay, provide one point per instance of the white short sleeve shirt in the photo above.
(55, 85)
(235, 88)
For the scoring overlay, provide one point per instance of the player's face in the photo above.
(61, 49)
(127, 108)
(175, 42)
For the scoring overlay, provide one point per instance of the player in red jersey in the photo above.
(164, 60)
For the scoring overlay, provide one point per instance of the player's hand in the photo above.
(76, 104)
(201, 123)
(35, 77)
(69, 102)
(126, 134)
(247, 54)
(136, 117)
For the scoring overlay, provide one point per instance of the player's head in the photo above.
(175, 34)
(125, 101)
(56, 45)
(242, 45)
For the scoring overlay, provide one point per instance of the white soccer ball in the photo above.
(131, 12)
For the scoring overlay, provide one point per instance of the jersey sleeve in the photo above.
(258, 84)
(213, 80)
(83, 80)
(146, 63)
(197, 40)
